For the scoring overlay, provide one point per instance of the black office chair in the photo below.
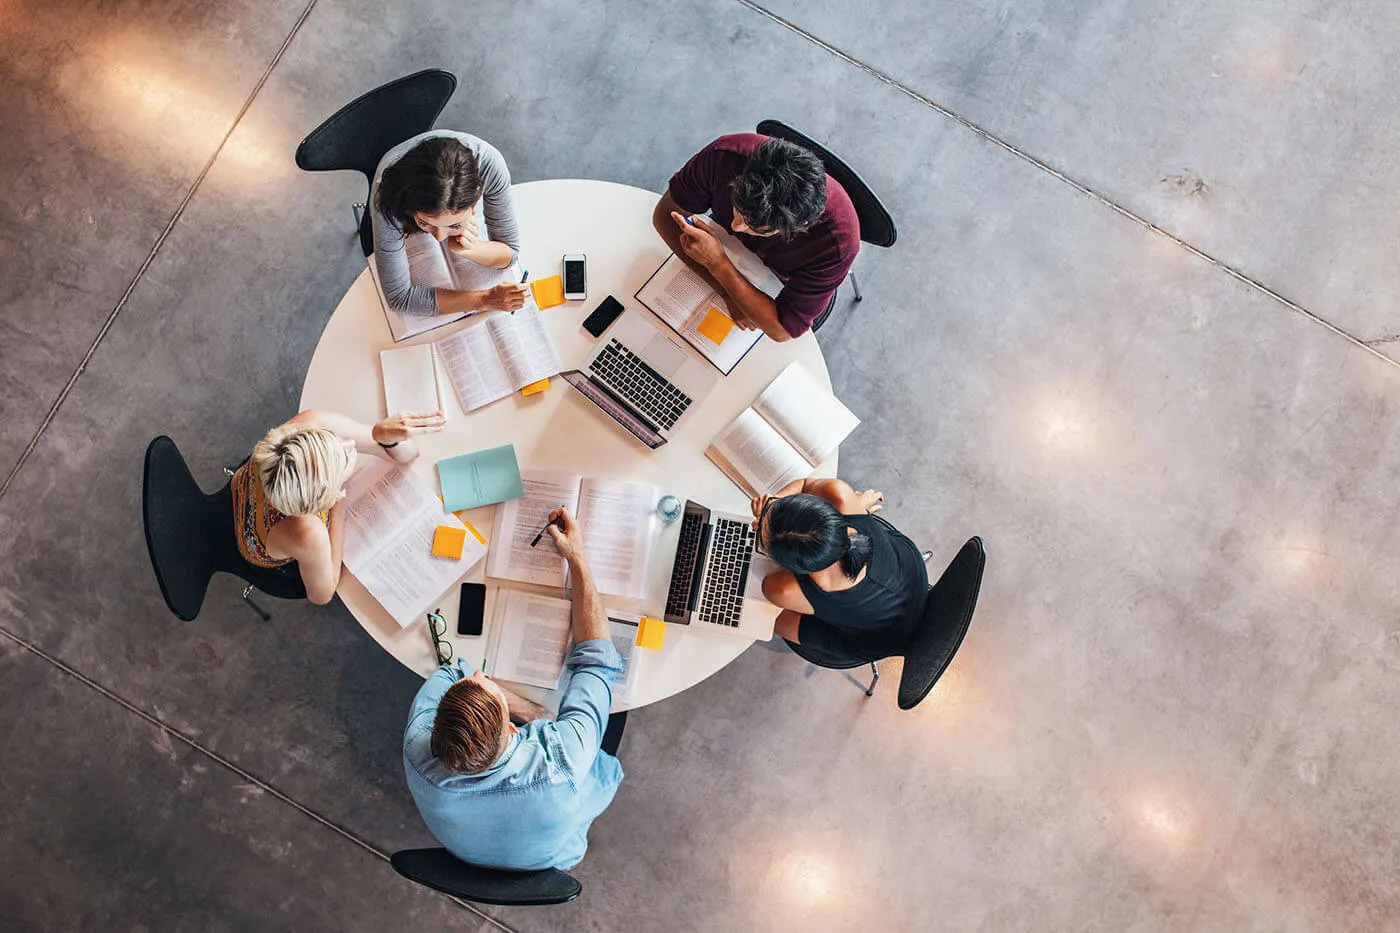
(947, 614)
(442, 871)
(876, 225)
(190, 537)
(357, 135)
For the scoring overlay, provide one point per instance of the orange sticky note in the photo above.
(716, 325)
(535, 388)
(548, 291)
(651, 633)
(449, 541)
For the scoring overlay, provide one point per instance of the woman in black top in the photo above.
(852, 586)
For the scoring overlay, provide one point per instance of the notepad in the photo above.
(410, 380)
(548, 291)
(481, 478)
(651, 633)
(449, 541)
(716, 326)
(535, 388)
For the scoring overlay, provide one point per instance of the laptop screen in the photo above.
(614, 407)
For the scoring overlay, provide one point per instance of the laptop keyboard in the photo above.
(731, 548)
(629, 376)
(683, 570)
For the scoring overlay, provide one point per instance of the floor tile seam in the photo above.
(1084, 189)
(222, 761)
(155, 249)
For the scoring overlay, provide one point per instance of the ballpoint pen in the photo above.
(539, 537)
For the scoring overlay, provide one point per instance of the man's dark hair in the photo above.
(782, 188)
(469, 729)
(805, 533)
(436, 176)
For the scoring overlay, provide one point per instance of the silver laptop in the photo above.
(717, 579)
(641, 378)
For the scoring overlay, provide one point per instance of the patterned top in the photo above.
(253, 518)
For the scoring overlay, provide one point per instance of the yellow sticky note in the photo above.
(470, 527)
(548, 291)
(535, 388)
(716, 325)
(651, 633)
(449, 541)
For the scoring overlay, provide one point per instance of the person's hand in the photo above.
(698, 242)
(567, 534)
(741, 320)
(757, 503)
(507, 296)
(405, 425)
(871, 500)
(463, 241)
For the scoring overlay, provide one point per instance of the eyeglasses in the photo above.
(437, 627)
(758, 524)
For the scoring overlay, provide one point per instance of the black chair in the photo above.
(190, 537)
(357, 135)
(876, 225)
(442, 871)
(947, 614)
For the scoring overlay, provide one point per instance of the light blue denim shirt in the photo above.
(532, 808)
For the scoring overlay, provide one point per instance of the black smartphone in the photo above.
(603, 316)
(471, 609)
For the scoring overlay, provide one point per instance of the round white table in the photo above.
(559, 429)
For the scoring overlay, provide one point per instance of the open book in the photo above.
(531, 636)
(617, 532)
(501, 353)
(390, 517)
(402, 326)
(692, 308)
(785, 435)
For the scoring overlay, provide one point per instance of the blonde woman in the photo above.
(289, 497)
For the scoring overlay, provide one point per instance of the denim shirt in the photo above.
(532, 808)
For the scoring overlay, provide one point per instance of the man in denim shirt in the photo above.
(519, 798)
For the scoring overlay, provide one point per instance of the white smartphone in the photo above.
(575, 277)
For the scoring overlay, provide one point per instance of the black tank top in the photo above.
(880, 612)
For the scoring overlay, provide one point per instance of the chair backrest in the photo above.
(184, 550)
(442, 871)
(357, 135)
(876, 224)
(948, 612)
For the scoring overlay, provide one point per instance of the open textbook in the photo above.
(402, 326)
(432, 263)
(390, 517)
(531, 635)
(617, 520)
(785, 435)
(498, 354)
(692, 308)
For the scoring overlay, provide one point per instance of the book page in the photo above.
(426, 263)
(381, 501)
(519, 520)
(759, 454)
(808, 417)
(526, 352)
(533, 640)
(617, 533)
(473, 366)
(675, 292)
(410, 380)
(623, 629)
(727, 354)
(745, 260)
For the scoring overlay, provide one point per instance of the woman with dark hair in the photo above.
(851, 586)
(432, 184)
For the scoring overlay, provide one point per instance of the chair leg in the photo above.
(358, 210)
(254, 606)
(875, 679)
(855, 286)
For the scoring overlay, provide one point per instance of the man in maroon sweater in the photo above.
(776, 198)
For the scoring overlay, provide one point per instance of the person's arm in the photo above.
(782, 590)
(748, 306)
(836, 491)
(315, 547)
(396, 431)
(498, 203)
(520, 709)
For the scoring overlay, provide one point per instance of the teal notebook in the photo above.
(487, 476)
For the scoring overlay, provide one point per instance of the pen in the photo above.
(524, 275)
(540, 536)
(691, 221)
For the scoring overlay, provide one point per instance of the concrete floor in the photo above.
(1175, 707)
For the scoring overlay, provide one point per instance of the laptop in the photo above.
(641, 378)
(717, 579)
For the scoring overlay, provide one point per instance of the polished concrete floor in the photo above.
(1135, 334)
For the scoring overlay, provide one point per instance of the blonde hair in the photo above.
(301, 468)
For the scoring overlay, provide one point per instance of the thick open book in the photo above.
(402, 326)
(432, 263)
(785, 435)
(390, 517)
(497, 354)
(618, 529)
(692, 308)
(531, 636)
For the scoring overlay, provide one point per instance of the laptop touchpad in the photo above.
(664, 356)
